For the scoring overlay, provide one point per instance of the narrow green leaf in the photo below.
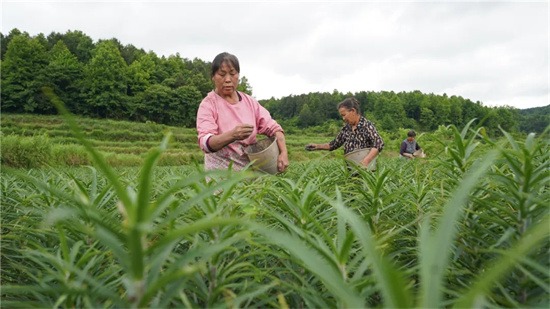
(312, 260)
(391, 280)
(500, 268)
(98, 159)
(435, 250)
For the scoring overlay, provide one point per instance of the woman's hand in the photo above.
(282, 162)
(311, 147)
(242, 131)
(370, 156)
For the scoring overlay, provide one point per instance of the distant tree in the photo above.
(172, 82)
(53, 38)
(130, 53)
(272, 106)
(427, 119)
(456, 112)
(390, 105)
(199, 66)
(199, 76)
(203, 85)
(138, 78)
(412, 103)
(64, 75)
(328, 106)
(370, 99)
(5, 40)
(106, 81)
(244, 86)
(41, 39)
(160, 73)
(22, 73)
(509, 118)
(471, 110)
(174, 66)
(441, 109)
(77, 42)
(112, 80)
(535, 123)
(183, 108)
(503, 117)
(535, 119)
(155, 103)
(287, 107)
(306, 117)
(388, 123)
(337, 97)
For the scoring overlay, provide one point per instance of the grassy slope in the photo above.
(126, 143)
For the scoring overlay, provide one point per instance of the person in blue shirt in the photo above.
(410, 148)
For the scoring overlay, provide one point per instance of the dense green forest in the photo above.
(106, 79)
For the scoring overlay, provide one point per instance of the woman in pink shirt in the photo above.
(228, 120)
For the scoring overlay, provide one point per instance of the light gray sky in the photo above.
(495, 52)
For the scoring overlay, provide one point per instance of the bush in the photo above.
(26, 152)
(70, 155)
(97, 134)
(180, 158)
(122, 159)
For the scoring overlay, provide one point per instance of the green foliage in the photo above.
(244, 86)
(105, 81)
(534, 119)
(123, 140)
(78, 43)
(26, 152)
(63, 74)
(306, 117)
(22, 69)
(316, 237)
(184, 106)
(412, 234)
(69, 155)
(138, 77)
(122, 143)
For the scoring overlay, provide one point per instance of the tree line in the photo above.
(103, 79)
(106, 79)
(390, 110)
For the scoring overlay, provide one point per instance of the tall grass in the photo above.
(26, 152)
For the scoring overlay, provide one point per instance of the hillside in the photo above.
(535, 119)
(543, 110)
(32, 140)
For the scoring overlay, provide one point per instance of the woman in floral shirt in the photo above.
(358, 133)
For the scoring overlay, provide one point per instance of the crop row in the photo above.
(466, 229)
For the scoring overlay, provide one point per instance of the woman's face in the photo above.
(349, 116)
(226, 79)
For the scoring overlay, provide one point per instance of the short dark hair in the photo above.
(411, 133)
(349, 104)
(224, 58)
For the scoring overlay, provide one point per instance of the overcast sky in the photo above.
(495, 52)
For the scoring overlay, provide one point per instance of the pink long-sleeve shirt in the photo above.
(216, 116)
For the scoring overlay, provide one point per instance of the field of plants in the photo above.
(33, 141)
(466, 228)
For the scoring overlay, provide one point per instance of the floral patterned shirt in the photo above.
(364, 136)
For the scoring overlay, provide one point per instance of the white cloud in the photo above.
(494, 52)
